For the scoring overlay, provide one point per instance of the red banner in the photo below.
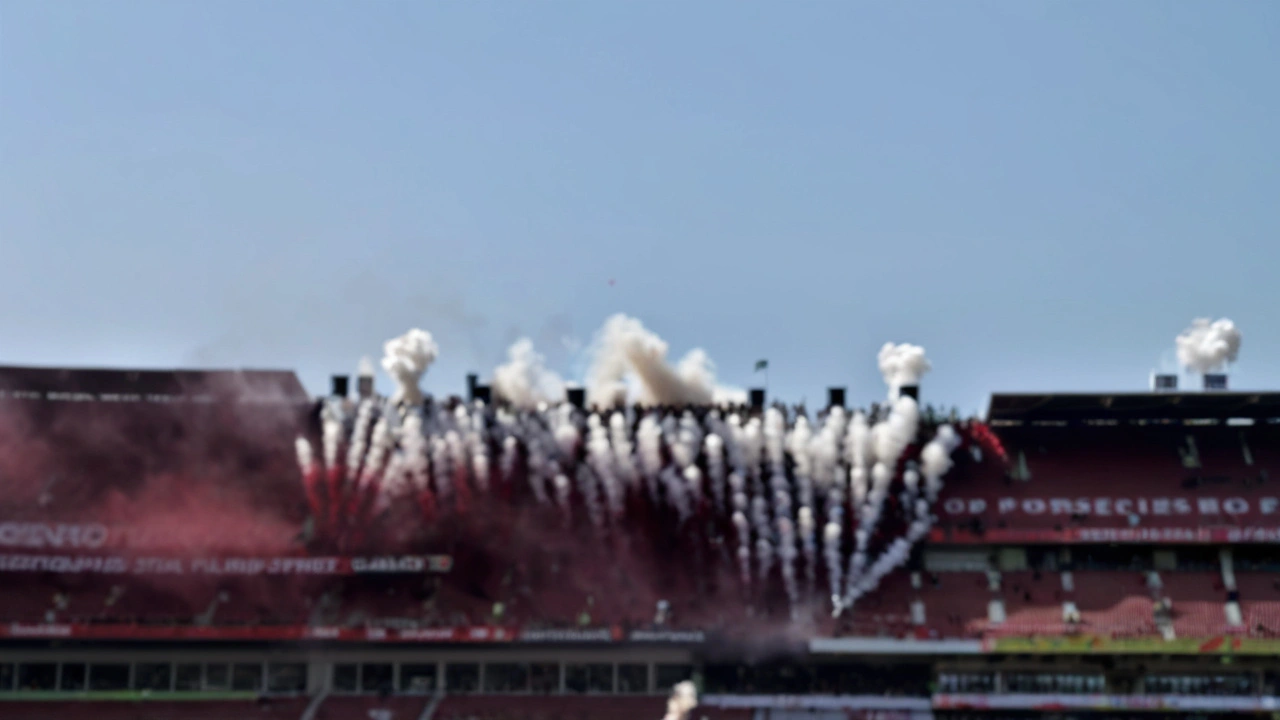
(245, 566)
(1109, 535)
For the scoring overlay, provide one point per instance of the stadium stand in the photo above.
(594, 631)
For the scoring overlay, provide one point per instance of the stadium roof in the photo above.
(116, 385)
(1014, 409)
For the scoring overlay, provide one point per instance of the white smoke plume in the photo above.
(626, 350)
(306, 457)
(414, 446)
(331, 434)
(831, 553)
(524, 381)
(379, 446)
(601, 458)
(1208, 346)
(684, 699)
(365, 368)
(902, 365)
(364, 417)
(623, 449)
(406, 359)
(713, 450)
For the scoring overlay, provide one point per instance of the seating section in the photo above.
(276, 709)
(1145, 462)
(1032, 602)
(369, 708)
(1260, 602)
(534, 707)
(957, 605)
(1199, 602)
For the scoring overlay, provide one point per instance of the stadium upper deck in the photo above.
(1139, 467)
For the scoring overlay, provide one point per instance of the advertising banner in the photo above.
(243, 566)
(263, 633)
(1081, 644)
(1052, 702)
(1142, 535)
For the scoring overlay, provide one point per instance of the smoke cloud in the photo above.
(406, 359)
(902, 365)
(524, 381)
(1207, 346)
(632, 360)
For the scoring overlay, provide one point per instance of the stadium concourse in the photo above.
(220, 545)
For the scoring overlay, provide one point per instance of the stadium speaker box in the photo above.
(473, 380)
(1215, 381)
(911, 391)
(364, 386)
(340, 385)
(835, 397)
(1164, 382)
(757, 398)
(578, 397)
(483, 393)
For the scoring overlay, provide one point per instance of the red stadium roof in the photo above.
(123, 385)
(1018, 409)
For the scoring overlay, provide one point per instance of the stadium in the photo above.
(213, 545)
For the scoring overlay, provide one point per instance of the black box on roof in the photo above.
(835, 397)
(340, 385)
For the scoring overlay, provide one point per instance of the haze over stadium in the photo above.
(636, 301)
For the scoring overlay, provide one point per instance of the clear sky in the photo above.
(1041, 193)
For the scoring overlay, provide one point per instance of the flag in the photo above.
(762, 365)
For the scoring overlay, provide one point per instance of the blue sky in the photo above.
(1041, 194)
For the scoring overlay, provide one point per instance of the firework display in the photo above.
(823, 508)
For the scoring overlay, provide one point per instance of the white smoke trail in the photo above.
(623, 449)
(439, 450)
(406, 359)
(1207, 346)
(678, 495)
(935, 459)
(331, 434)
(649, 449)
(743, 532)
(600, 456)
(831, 552)
(510, 456)
(713, 450)
(787, 559)
(306, 457)
(379, 446)
(561, 485)
(808, 543)
(524, 381)
(590, 496)
(684, 699)
(355, 452)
